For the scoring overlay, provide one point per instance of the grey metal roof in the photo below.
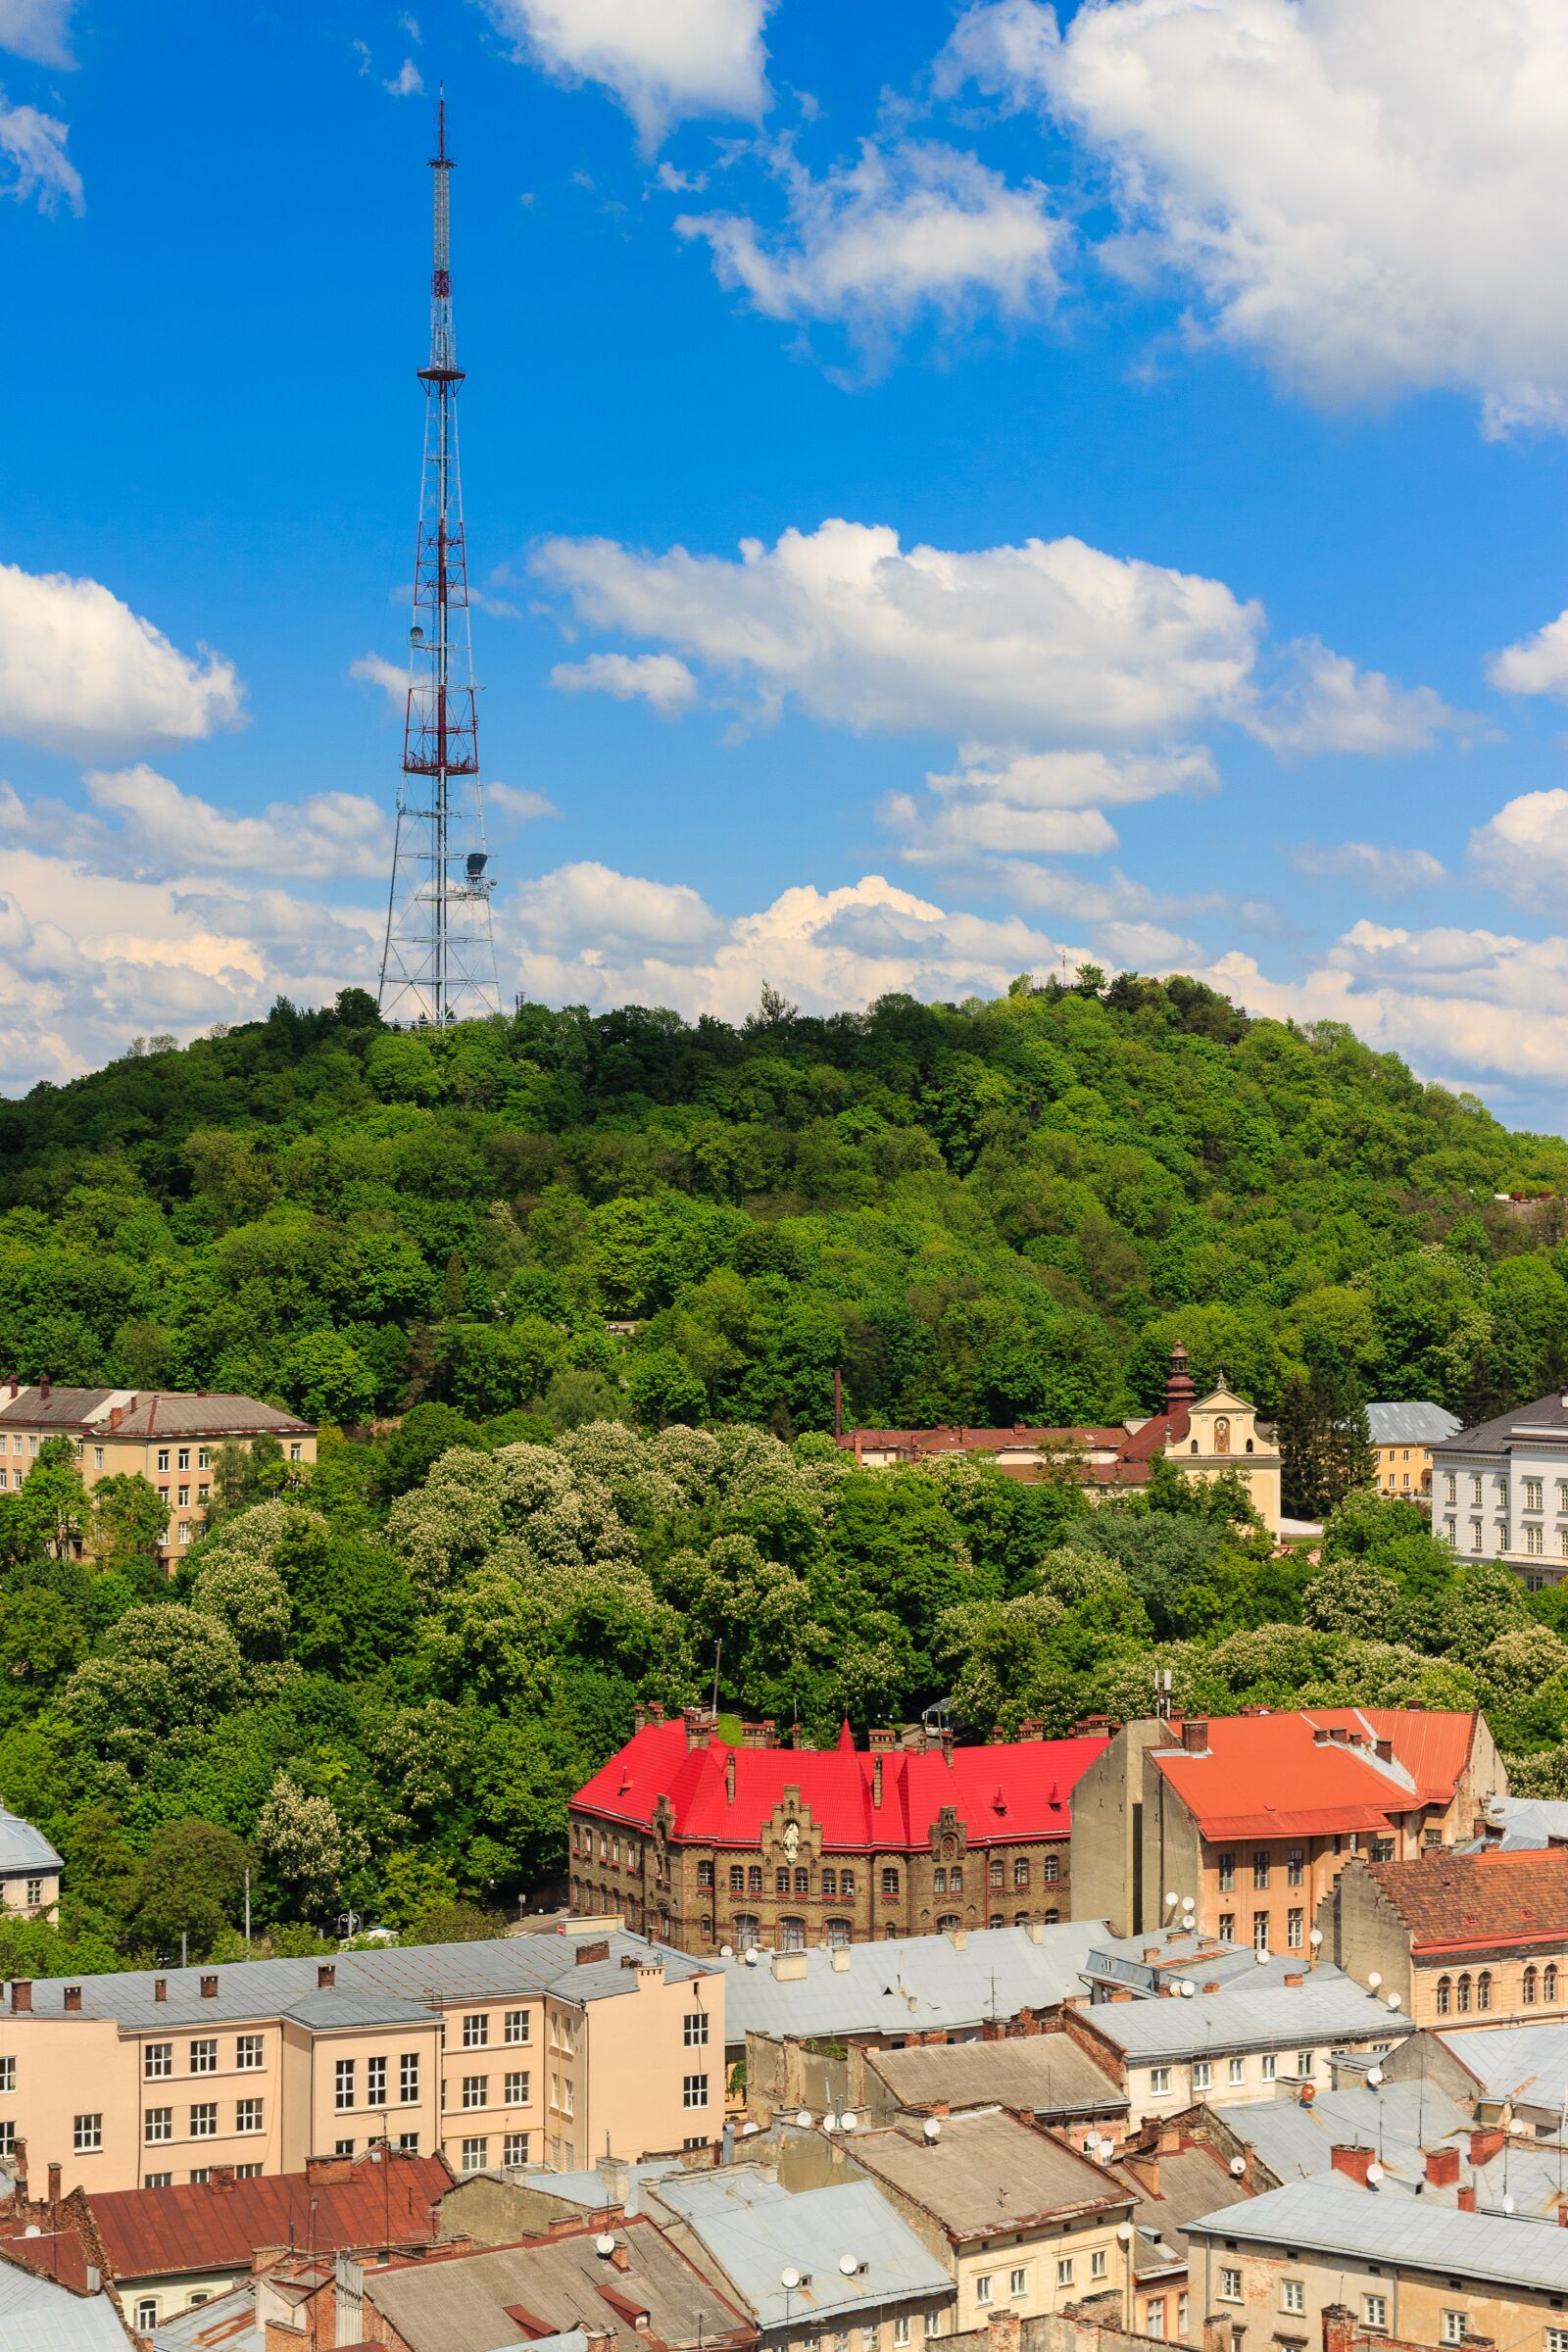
(227, 2324)
(1046, 2072)
(590, 2189)
(150, 1412)
(985, 2171)
(756, 2229)
(1528, 2064)
(38, 2315)
(1546, 1418)
(23, 1847)
(912, 1984)
(1329, 2007)
(1323, 2217)
(1413, 1424)
(1529, 1823)
(1402, 2120)
(393, 1984)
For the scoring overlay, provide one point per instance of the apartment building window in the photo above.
(376, 2081)
(1306, 2064)
(518, 2088)
(939, 1881)
(1270, 2066)
(1502, 1535)
(1533, 1539)
(1098, 2260)
(1260, 1868)
(516, 2025)
(184, 1498)
(747, 1931)
(97, 1457)
(1158, 2080)
(7, 2139)
(296, 1452)
(695, 2027)
(1533, 1496)
(803, 1881)
(1295, 1930)
(1049, 1869)
(1455, 2327)
(147, 2312)
(409, 2141)
(847, 1884)
(1294, 1865)
(157, 2060)
(1020, 1871)
(408, 2078)
(889, 1882)
(1548, 1981)
(204, 1459)
(1478, 1535)
(1383, 1849)
(1557, 2339)
(900, 2332)
(1261, 1930)
(345, 2083)
(475, 2155)
(1227, 1927)
(163, 1457)
(476, 2090)
(8, 2074)
(204, 2057)
(248, 2053)
(157, 2180)
(515, 2148)
(1203, 2073)
(1293, 2294)
(1475, 1488)
(183, 1462)
(248, 2115)
(705, 1875)
(204, 2120)
(753, 1878)
(998, 1873)
(982, 2288)
(1154, 2316)
(1445, 2000)
(791, 1935)
(781, 1882)
(1064, 2270)
(475, 2032)
(340, 2147)
(838, 1934)
(1451, 1532)
(830, 1882)
(1238, 2070)
(933, 2323)
(737, 1877)
(1230, 2286)
(1562, 1494)
(87, 2134)
(203, 1491)
(158, 2124)
(1374, 2312)
(247, 2171)
(1483, 1989)
(1017, 2283)
(186, 1530)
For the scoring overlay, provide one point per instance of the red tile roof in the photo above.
(200, 2226)
(1451, 1902)
(1015, 1789)
(1070, 1452)
(1295, 1781)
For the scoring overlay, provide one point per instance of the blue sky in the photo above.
(1143, 429)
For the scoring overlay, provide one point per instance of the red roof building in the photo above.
(704, 1844)
(1478, 1939)
(1253, 1816)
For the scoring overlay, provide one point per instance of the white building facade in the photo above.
(1499, 1490)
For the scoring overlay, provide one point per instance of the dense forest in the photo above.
(374, 1686)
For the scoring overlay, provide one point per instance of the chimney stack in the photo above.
(1194, 1735)
(71, 1996)
(21, 1996)
(1443, 2168)
(1467, 2197)
(43, 1387)
(210, 1989)
(54, 2184)
(159, 1988)
(1483, 2146)
(325, 1976)
(1353, 2163)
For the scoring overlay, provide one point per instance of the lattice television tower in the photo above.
(439, 961)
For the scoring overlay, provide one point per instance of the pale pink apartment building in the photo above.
(532, 2049)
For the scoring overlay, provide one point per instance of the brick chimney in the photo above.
(1443, 2168)
(54, 2183)
(116, 1416)
(71, 1996)
(43, 1387)
(588, 1954)
(1004, 2331)
(1467, 2197)
(1194, 1735)
(1353, 2163)
(159, 1988)
(21, 1996)
(210, 1989)
(880, 1740)
(876, 1780)
(222, 2175)
(1486, 2144)
(729, 1778)
(325, 1976)
(696, 1728)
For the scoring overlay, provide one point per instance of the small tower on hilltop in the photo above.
(438, 963)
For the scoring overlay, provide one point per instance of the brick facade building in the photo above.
(701, 1844)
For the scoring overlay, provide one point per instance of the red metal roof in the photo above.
(1296, 1782)
(200, 2226)
(53, 2253)
(1014, 1789)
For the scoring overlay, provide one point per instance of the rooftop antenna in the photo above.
(438, 963)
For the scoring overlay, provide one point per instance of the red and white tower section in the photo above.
(438, 964)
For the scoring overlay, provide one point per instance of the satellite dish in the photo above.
(789, 2280)
(1374, 2076)
(804, 2119)
(1170, 1900)
(1124, 2231)
(605, 2245)
(931, 2128)
(847, 2120)
(1508, 2205)
(415, 636)
(849, 2264)
(1188, 1989)
(1238, 2167)
(1188, 1904)
(1315, 1938)
(726, 1951)
(1261, 1958)
(830, 2121)
(1374, 1980)
(1374, 2173)
(1107, 2149)
(750, 2130)
(751, 1958)
(1515, 2126)
(1394, 2000)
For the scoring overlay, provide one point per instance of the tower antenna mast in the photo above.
(438, 963)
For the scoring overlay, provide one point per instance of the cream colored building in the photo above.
(533, 2049)
(1267, 2271)
(167, 1439)
(29, 1870)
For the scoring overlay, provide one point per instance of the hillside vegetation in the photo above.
(988, 1213)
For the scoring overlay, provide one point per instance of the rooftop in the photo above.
(1046, 2072)
(23, 1847)
(147, 1413)
(1331, 2217)
(755, 2230)
(1453, 1902)
(1544, 1419)
(1410, 1424)
(1400, 2121)
(1016, 1789)
(1317, 1772)
(383, 2200)
(1325, 2008)
(227, 2324)
(1527, 2063)
(373, 1988)
(480, 2302)
(45, 2318)
(987, 2172)
(1517, 1825)
(912, 1984)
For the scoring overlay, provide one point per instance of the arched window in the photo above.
(1195, 1446)
(781, 1882)
(744, 1931)
(1548, 1981)
(949, 1921)
(830, 1882)
(1050, 1869)
(803, 1881)
(1020, 1919)
(996, 1919)
(939, 1881)
(1444, 1995)
(890, 1927)
(1527, 1987)
(1462, 1995)
(1483, 1989)
(838, 1932)
(791, 1935)
(707, 1925)
(1248, 1444)
(1051, 1918)
(847, 1884)
(889, 1882)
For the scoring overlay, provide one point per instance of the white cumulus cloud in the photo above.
(909, 227)
(33, 148)
(1323, 702)
(80, 672)
(1387, 872)
(518, 803)
(1370, 195)
(37, 29)
(1523, 851)
(1536, 664)
(330, 833)
(661, 679)
(664, 60)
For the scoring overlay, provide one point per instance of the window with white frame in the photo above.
(475, 2032)
(8, 2074)
(1455, 2327)
(982, 2288)
(87, 2134)
(1203, 2073)
(204, 2057)
(1270, 2066)
(516, 2025)
(900, 2332)
(157, 2060)
(408, 2076)
(1017, 2283)
(518, 2085)
(1375, 2311)
(1064, 2270)
(376, 2081)
(146, 2312)
(515, 2148)
(933, 2324)
(1293, 2294)
(248, 2115)
(157, 2124)
(248, 2053)
(204, 2120)
(476, 2090)
(1230, 2286)
(475, 2155)
(1237, 2069)
(344, 2081)
(695, 2026)
(1098, 2261)
(693, 2090)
